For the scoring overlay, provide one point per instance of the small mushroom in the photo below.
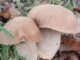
(20, 27)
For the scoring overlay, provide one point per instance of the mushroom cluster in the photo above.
(39, 33)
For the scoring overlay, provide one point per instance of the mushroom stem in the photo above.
(27, 50)
(49, 44)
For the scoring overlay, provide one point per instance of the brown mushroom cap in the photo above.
(21, 27)
(55, 17)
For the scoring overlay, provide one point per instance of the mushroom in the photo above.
(23, 30)
(57, 19)
(20, 27)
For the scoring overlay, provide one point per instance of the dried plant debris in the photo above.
(67, 55)
(70, 41)
(7, 12)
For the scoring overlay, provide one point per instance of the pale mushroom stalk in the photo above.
(49, 44)
(27, 50)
